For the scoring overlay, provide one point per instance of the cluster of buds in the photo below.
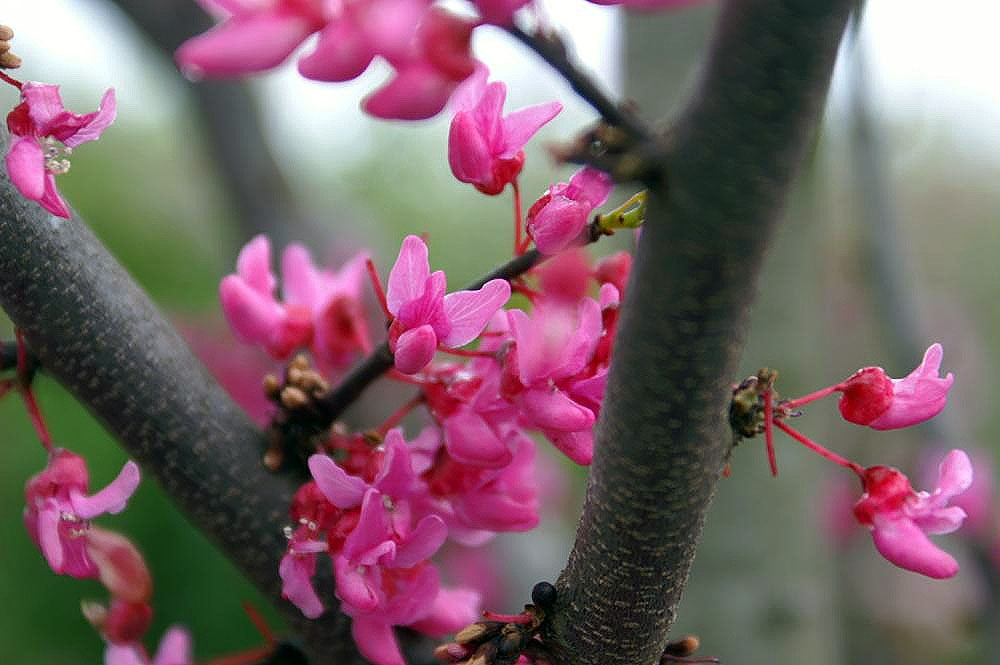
(7, 58)
(503, 639)
(295, 397)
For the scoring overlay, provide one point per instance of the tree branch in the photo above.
(98, 334)
(662, 438)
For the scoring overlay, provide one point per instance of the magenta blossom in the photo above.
(485, 149)
(900, 518)
(43, 135)
(175, 649)
(58, 510)
(557, 218)
(424, 317)
(322, 309)
(871, 397)
(499, 12)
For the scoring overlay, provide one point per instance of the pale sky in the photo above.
(934, 63)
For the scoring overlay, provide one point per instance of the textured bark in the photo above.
(95, 331)
(662, 435)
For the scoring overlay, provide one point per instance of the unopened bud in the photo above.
(683, 647)
(299, 362)
(293, 398)
(273, 459)
(6, 34)
(9, 61)
(95, 613)
(294, 375)
(127, 622)
(451, 653)
(271, 385)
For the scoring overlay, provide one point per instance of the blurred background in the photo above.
(888, 245)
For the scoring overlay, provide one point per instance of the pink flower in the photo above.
(425, 317)
(44, 133)
(322, 309)
(175, 649)
(58, 510)
(427, 74)
(485, 149)
(870, 397)
(559, 216)
(499, 12)
(648, 4)
(258, 35)
(900, 518)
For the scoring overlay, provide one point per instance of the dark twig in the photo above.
(551, 49)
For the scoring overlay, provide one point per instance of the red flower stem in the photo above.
(9, 79)
(24, 381)
(400, 413)
(518, 222)
(769, 432)
(518, 286)
(379, 291)
(469, 353)
(811, 397)
(508, 618)
(820, 450)
(405, 378)
(259, 623)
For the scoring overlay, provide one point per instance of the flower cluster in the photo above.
(898, 517)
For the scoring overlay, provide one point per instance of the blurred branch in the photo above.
(661, 439)
(229, 113)
(99, 335)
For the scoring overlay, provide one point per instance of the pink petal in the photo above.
(578, 446)
(497, 512)
(302, 284)
(421, 543)
(253, 316)
(111, 499)
(954, 476)
(396, 477)
(96, 122)
(373, 529)
(342, 490)
(520, 126)
(376, 641)
(470, 440)
(51, 199)
(919, 396)
(591, 185)
(580, 347)
(499, 12)
(453, 609)
(175, 648)
(468, 312)
(414, 349)
(253, 265)
(940, 520)
(44, 103)
(391, 25)
(905, 545)
(342, 53)
(26, 167)
(416, 92)
(409, 273)
(49, 539)
(124, 654)
(487, 113)
(468, 151)
(558, 223)
(428, 308)
(470, 91)
(353, 587)
(554, 410)
(296, 571)
(245, 43)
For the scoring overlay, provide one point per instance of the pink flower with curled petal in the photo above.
(43, 134)
(870, 397)
(424, 317)
(485, 148)
(556, 219)
(58, 510)
(900, 518)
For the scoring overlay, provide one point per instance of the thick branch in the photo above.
(97, 333)
(662, 437)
